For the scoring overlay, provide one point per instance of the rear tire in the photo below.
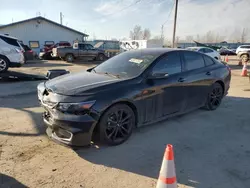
(4, 64)
(69, 58)
(214, 97)
(116, 124)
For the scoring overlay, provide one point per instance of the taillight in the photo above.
(19, 51)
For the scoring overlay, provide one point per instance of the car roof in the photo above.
(199, 47)
(8, 36)
(157, 50)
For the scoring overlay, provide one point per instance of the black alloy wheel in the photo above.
(215, 97)
(116, 124)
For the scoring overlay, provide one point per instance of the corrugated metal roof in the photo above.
(45, 19)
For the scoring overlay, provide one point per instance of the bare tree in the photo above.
(197, 38)
(136, 33)
(239, 35)
(94, 36)
(219, 38)
(209, 37)
(244, 35)
(146, 34)
(189, 38)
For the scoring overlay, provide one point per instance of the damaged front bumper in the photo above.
(69, 129)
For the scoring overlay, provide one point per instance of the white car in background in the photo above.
(11, 53)
(243, 48)
(209, 51)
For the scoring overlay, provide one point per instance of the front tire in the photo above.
(214, 97)
(116, 124)
(4, 64)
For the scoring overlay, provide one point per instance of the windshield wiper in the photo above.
(107, 73)
(114, 75)
(93, 70)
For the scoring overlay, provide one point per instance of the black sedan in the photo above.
(225, 51)
(130, 90)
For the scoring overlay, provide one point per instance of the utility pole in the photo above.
(175, 19)
(61, 18)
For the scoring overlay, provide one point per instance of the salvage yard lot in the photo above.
(211, 148)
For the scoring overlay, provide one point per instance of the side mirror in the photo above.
(158, 75)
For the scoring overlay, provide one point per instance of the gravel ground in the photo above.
(211, 148)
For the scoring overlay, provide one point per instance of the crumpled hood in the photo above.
(81, 83)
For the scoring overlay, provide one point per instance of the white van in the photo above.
(11, 53)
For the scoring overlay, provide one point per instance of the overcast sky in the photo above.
(115, 18)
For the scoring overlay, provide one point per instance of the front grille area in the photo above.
(47, 116)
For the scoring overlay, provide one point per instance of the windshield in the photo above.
(127, 64)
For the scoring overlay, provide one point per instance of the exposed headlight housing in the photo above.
(75, 108)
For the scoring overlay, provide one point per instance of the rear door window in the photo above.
(82, 46)
(171, 64)
(10, 41)
(193, 60)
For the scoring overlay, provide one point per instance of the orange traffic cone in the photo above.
(167, 177)
(226, 58)
(244, 70)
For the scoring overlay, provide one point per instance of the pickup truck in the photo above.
(79, 51)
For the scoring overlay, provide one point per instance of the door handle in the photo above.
(181, 80)
(208, 73)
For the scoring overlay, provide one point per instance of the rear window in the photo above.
(10, 41)
(26, 48)
(245, 47)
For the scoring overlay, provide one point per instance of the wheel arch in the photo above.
(1, 55)
(69, 54)
(222, 85)
(126, 102)
(244, 53)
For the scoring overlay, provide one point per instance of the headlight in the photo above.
(75, 108)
